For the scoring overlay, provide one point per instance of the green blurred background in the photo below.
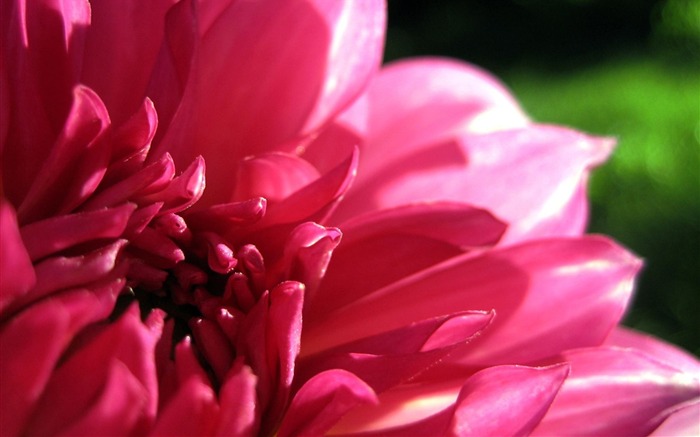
(623, 68)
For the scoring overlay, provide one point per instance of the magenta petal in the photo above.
(121, 47)
(25, 367)
(76, 164)
(322, 401)
(665, 352)
(16, 271)
(390, 358)
(273, 176)
(417, 102)
(578, 290)
(582, 285)
(307, 252)
(483, 409)
(72, 390)
(116, 410)
(57, 273)
(42, 50)
(391, 244)
(192, 412)
(214, 345)
(683, 421)
(532, 178)
(132, 141)
(424, 335)
(624, 390)
(321, 62)
(57, 233)
(317, 199)
(152, 178)
(183, 191)
(283, 342)
(498, 401)
(238, 403)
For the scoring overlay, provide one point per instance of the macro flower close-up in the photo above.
(227, 217)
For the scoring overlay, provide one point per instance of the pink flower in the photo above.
(463, 297)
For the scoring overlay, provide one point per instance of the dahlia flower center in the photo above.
(203, 284)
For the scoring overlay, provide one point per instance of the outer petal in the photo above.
(578, 292)
(683, 421)
(660, 350)
(58, 233)
(16, 271)
(391, 244)
(322, 401)
(419, 102)
(532, 178)
(76, 163)
(58, 273)
(116, 410)
(43, 43)
(504, 400)
(581, 285)
(120, 50)
(624, 390)
(388, 359)
(192, 412)
(71, 391)
(273, 176)
(25, 367)
(238, 403)
(270, 71)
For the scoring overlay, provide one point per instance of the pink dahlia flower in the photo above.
(462, 298)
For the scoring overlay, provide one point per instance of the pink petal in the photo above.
(72, 390)
(407, 352)
(283, 337)
(273, 176)
(322, 401)
(307, 252)
(131, 142)
(532, 178)
(224, 217)
(482, 408)
(391, 244)
(239, 410)
(683, 421)
(57, 233)
(156, 245)
(624, 390)
(120, 51)
(192, 412)
(418, 102)
(76, 163)
(152, 178)
(555, 277)
(43, 42)
(25, 367)
(213, 345)
(316, 200)
(187, 364)
(183, 191)
(16, 271)
(423, 335)
(115, 410)
(58, 273)
(577, 293)
(4, 106)
(504, 400)
(320, 64)
(675, 357)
